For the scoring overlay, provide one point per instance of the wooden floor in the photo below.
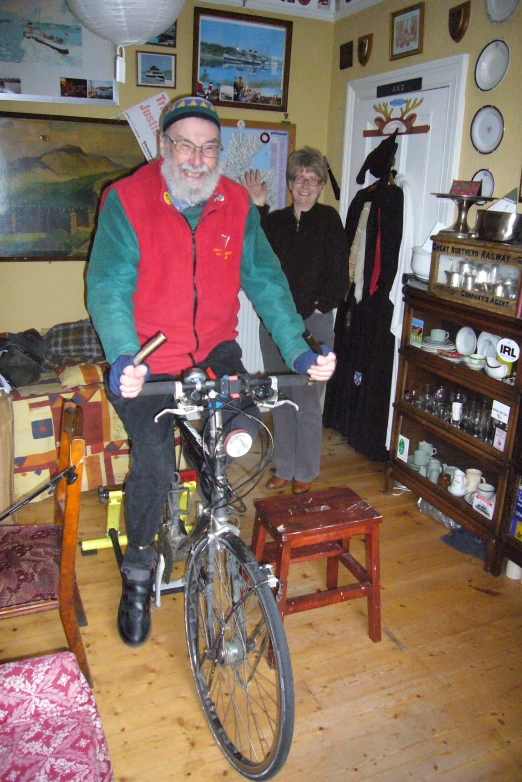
(439, 698)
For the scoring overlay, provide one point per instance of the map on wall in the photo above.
(264, 146)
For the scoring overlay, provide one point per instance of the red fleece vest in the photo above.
(187, 284)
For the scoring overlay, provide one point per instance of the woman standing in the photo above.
(311, 244)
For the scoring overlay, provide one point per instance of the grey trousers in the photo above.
(298, 433)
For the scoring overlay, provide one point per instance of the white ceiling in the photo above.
(328, 10)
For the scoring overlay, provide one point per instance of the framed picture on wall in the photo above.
(155, 70)
(241, 60)
(53, 170)
(166, 38)
(406, 31)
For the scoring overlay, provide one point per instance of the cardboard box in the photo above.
(6, 455)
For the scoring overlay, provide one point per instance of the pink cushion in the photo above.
(29, 564)
(50, 728)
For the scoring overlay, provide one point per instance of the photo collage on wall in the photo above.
(46, 54)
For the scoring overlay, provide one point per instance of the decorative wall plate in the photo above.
(500, 10)
(487, 129)
(492, 65)
(485, 176)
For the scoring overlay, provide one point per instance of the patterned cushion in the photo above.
(81, 375)
(36, 426)
(50, 728)
(29, 563)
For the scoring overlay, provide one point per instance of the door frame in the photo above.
(448, 72)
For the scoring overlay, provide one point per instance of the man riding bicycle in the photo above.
(174, 244)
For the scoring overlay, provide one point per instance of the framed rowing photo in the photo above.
(241, 60)
(155, 70)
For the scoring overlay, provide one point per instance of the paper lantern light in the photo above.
(126, 22)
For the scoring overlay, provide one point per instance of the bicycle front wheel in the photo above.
(239, 656)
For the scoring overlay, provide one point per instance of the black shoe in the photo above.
(134, 625)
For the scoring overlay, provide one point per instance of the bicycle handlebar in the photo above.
(229, 386)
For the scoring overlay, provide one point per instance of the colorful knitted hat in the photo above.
(190, 107)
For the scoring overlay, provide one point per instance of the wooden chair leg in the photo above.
(282, 571)
(74, 639)
(373, 569)
(258, 538)
(81, 617)
(332, 565)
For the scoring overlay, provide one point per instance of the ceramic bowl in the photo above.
(495, 369)
(421, 262)
(475, 361)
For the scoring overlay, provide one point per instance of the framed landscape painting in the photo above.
(241, 60)
(52, 174)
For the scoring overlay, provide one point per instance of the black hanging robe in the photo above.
(358, 395)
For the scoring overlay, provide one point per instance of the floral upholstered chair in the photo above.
(37, 563)
(50, 728)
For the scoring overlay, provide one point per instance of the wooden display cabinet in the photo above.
(498, 459)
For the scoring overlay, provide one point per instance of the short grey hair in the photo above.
(309, 159)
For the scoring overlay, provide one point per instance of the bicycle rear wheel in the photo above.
(239, 656)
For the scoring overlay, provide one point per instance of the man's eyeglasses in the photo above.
(184, 147)
(313, 181)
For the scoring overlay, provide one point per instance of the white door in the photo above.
(429, 122)
(420, 118)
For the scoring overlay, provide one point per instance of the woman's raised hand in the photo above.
(257, 189)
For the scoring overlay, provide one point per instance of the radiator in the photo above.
(248, 335)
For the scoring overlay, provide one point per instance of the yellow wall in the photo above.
(42, 294)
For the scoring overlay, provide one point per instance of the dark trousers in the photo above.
(152, 458)
(298, 433)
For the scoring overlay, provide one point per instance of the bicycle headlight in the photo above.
(238, 443)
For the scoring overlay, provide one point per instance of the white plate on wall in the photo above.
(466, 341)
(487, 129)
(492, 65)
(500, 10)
(487, 179)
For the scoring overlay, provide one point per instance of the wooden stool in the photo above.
(319, 525)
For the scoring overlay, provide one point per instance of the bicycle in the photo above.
(237, 646)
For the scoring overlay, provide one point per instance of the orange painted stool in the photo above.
(319, 525)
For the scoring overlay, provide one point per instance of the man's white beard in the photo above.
(185, 190)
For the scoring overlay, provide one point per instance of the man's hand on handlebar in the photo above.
(125, 379)
(318, 367)
(324, 368)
